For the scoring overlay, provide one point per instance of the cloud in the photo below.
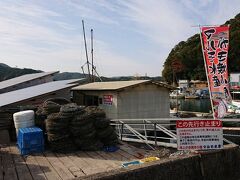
(225, 10)
(25, 9)
(162, 22)
(110, 63)
(91, 10)
(47, 35)
(43, 47)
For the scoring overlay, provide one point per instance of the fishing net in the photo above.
(69, 126)
(50, 107)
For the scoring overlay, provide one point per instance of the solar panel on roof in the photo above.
(31, 92)
(23, 78)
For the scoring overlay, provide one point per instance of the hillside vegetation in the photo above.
(7, 72)
(185, 61)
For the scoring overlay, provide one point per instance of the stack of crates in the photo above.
(30, 140)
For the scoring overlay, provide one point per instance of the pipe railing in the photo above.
(148, 130)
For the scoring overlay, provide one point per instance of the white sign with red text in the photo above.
(199, 134)
(108, 99)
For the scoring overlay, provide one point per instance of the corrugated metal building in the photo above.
(126, 99)
(25, 81)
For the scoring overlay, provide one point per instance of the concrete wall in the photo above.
(144, 101)
(215, 165)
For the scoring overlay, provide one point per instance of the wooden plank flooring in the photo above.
(50, 165)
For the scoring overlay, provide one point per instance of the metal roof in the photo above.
(113, 85)
(34, 91)
(24, 78)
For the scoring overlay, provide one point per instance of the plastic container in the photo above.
(23, 119)
(36, 149)
(30, 140)
(30, 137)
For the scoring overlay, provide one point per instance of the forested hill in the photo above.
(7, 72)
(185, 61)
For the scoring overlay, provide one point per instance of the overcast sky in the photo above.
(130, 36)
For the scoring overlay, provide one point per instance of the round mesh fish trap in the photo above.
(101, 123)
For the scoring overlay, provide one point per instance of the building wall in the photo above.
(235, 77)
(235, 81)
(110, 109)
(145, 101)
(183, 83)
(33, 82)
(200, 85)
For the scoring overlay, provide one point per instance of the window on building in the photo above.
(91, 100)
(100, 100)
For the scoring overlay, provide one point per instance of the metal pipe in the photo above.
(155, 133)
(122, 131)
(85, 43)
(92, 54)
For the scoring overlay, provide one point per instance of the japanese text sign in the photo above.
(199, 134)
(107, 99)
(215, 42)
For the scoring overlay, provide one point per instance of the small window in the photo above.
(91, 100)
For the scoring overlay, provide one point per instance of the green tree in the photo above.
(189, 55)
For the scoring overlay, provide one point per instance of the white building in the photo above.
(183, 85)
(235, 80)
(126, 99)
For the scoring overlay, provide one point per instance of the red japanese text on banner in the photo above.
(215, 42)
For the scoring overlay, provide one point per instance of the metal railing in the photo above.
(157, 131)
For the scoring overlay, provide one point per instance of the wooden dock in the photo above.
(49, 165)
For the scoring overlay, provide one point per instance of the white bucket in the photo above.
(23, 119)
